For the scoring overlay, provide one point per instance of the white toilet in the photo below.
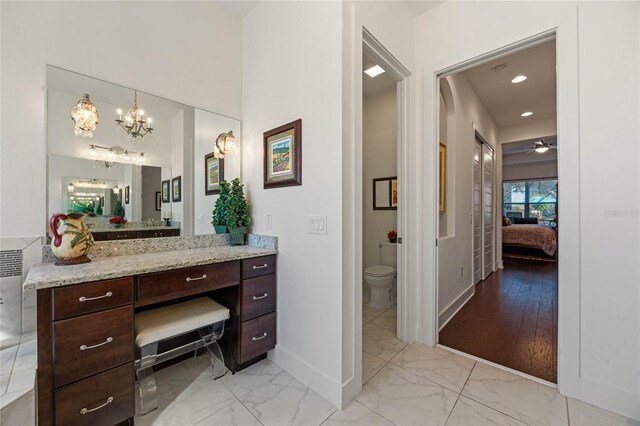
(381, 278)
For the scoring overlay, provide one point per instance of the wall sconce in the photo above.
(225, 144)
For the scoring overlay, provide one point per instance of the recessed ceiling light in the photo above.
(519, 79)
(526, 114)
(374, 71)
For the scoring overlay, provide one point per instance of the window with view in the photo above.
(531, 198)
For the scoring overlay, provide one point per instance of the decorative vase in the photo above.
(72, 240)
(393, 240)
(116, 225)
(220, 229)
(237, 235)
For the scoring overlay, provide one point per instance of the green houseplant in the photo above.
(219, 215)
(118, 210)
(238, 218)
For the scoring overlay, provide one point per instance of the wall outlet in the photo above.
(318, 225)
(269, 222)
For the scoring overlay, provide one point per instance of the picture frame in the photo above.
(442, 195)
(176, 189)
(213, 174)
(126, 195)
(158, 201)
(283, 155)
(385, 193)
(166, 188)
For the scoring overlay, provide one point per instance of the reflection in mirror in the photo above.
(113, 149)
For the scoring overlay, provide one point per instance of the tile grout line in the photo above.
(242, 403)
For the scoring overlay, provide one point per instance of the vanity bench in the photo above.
(86, 338)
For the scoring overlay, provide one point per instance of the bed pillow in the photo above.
(526, 220)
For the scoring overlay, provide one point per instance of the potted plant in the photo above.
(117, 222)
(392, 236)
(219, 216)
(118, 210)
(237, 215)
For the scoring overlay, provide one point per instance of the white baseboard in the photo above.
(325, 386)
(606, 397)
(500, 264)
(453, 308)
(349, 391)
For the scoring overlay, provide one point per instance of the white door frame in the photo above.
(569, 178)
(403, 77)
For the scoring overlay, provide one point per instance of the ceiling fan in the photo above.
(540, 146)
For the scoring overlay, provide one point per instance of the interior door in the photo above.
(488, 209)
(477, 212)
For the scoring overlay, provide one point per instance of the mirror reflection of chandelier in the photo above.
(134, 122)
(85, 116)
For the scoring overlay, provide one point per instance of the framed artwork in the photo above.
(158, 201)
(126, 195)
(102, 201)
(385, 193)
(165, 190)
(176, 189)
(213, 174)
(283, 155)
(443, 178)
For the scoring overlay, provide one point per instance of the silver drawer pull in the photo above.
(197, 278)
(261, 337)
(260, 297)
(86, 410)
(85, 347)
(86, 299)
(260, 266)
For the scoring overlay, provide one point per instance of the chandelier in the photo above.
(85, 116)
(134, 123)
(225, 144)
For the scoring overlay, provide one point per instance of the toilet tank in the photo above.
(388, 254)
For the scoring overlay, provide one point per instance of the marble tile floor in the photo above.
(417, 385)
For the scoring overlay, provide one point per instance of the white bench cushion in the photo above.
(162, 323)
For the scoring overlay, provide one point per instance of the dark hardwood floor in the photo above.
(512, 319)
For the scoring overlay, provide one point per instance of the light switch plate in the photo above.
(318, 225)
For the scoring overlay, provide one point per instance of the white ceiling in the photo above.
(504, 100)
(377, 84)
(418, 7)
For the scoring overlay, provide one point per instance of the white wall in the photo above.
(207, 128)
(599, 324)
(456, 249)
(380, 160)
(182, 64)
(292, 69)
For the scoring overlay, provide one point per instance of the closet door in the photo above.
(488, 210)
(477, 212)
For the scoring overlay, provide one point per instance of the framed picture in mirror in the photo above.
(176, 189)
(126, 195)
(213, 174)
(165, 191)
(385, 193)
(158, 201)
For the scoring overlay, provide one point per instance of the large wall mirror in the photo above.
(123, 161)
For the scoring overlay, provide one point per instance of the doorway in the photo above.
(503, 231)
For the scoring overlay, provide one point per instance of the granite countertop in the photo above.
(47, 275)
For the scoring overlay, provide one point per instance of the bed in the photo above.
(531, 236)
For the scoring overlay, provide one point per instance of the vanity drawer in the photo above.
(107, 398)
(161, 286)
(96, 296)
(258, 266)
(258, 296)
(89, 344)
(99, 236)
(121, 235)
(257, 336)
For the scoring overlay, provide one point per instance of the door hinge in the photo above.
(399, 240)
(436, 242)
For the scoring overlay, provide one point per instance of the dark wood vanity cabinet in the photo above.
(86, 339)
(129, 235)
